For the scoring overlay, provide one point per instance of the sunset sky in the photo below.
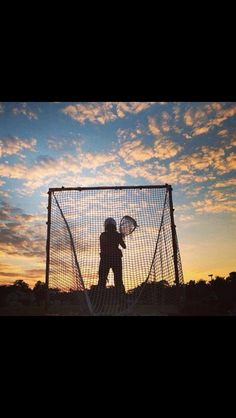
(191, 146)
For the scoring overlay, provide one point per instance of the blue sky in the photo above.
(189, 145)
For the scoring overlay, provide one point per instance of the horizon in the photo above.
(189, 145)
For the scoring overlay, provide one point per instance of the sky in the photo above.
(190, 145)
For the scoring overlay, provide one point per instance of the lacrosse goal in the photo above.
(151, 265)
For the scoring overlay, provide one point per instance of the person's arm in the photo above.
(121, 241)
(102, 242)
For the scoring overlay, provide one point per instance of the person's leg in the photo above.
(104, 268)
(117, 270)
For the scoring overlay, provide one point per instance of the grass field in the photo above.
(74, 310)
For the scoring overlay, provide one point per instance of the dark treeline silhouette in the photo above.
(20, 294)
(214, 297)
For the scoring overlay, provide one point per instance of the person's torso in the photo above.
(109, 243)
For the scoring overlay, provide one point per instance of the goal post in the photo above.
(82, 278)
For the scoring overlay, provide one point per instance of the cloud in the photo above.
(96, 112)
(188, 119)
(124, 108)
(166, 148)
(154, 172)
(166, 124)
(197, 167)
(105, 167)
(21, 234)
(175, 177)
(233, 142)
(35, 273)
(23, 109)
(134, 151)
(11, 272)
(226, 183)
(187, 136)
(200, 131)
(14, 145)
(185, 218)
(193, 191)
(227, 164)
(149, 171)
(213, 206)
(230, 162)
(206, 157)
(199, 118)
(1, 108)
(129, 134)
(223, 132)
(112, 174)
(153, 127)
(91, 160)
(47, 169)
(4, 193)
(176, 111)
(216, 201)
(55, 144)
(221, 196)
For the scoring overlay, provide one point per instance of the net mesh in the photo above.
(147, 266)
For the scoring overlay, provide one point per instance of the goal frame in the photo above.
(61, 189)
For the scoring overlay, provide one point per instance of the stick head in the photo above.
(127, 225)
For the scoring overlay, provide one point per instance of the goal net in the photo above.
(114, 280)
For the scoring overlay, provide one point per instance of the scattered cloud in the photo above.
(185, 218)
(21, 233)
(214, 206)
(47, 169)
(216, 201)
(134, 151)
(200, 120)
(96, 112)
(226, 183)
(11, 272)
(89, 160)
(153, 126)
(176, 112)
(207, 157)
(166, 148)
(223, 132)
(5, 193)
(14, 145)
(149, 171)
(129, 134)
(55, 144)
(163, 148)
(23, 109)
(201, 130)
(188, 118)
(233, 142)
(193, 191)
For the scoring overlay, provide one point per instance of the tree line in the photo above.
(214, 297)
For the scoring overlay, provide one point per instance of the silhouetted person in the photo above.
(111, 255)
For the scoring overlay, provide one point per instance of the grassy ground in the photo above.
(22, 311)
(140, 310)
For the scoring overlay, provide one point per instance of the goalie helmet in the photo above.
(110, 221)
